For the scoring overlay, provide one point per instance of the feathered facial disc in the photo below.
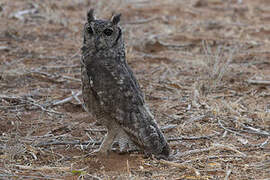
(101, 34)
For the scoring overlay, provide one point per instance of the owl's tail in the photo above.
(154, 142)
(152, 138)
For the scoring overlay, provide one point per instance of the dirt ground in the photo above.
(204, 66)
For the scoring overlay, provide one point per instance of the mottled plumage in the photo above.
(111, 92)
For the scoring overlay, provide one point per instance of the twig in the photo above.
(259, 165)
(92, 177)
(195, 151)
(224, 134)
(71, 78)
(197, 118)
(33, 155)
(180, 166)
(75, 142)
(192, 137)
(215, 146)
(228, 172)
(28, 177)
(97, 130)
(222, 146)
(28, 100)
(63, 66)
(256, 131)
(44, 75)
(212, 157)
(76, 96)
(264, 143)
(68, 99)
(229, 130)
(175, 45)
(128, 169)
(54, 77)
(171, 117)
(4, 48)
(31, 101)
(10, 98)
(169, 126)
(261, 82)
(19, 14)
(42, 168)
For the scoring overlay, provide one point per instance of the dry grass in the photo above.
(203, 65)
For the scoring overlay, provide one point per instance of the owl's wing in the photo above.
(114, 82)
(114, 86)
(119, 94)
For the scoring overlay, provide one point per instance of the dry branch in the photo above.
(215, 146)
(212, 157)
(43, 108)
(168, 127)
(228, 172)
(68, 99)
(228, 147)
(180, 166)
(195, 151)
(264, 143)
(252, 130)
(192, 137)
(20, 14)
(75, 142)
(92, 176)
(256, 131)
(27, 177)
(22, 101)
(76, 96)
(259, 82)
(71, 78)
(197, 118)
(96, 130)
(229, 130)
(61, 66)
(54, 78)
(42, 168)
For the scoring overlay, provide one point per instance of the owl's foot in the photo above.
(123, 144)
(105, 147)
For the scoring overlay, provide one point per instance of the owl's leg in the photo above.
(124, 142)
(106, 145)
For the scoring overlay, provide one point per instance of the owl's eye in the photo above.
(108, 32)
(90, 30)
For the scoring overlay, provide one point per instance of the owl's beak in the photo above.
(100, 43)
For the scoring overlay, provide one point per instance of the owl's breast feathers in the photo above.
(119, 95)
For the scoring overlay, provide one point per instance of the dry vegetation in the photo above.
(204, 66)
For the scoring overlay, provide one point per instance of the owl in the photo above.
(112, 94)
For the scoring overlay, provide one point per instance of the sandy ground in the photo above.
(204, 66)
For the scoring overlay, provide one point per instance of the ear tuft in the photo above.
(90, 15)
(116, 19)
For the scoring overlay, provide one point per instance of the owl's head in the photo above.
(101, 34)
